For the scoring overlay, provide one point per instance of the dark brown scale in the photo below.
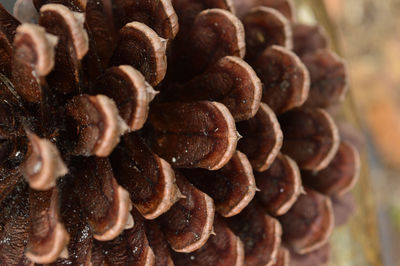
(158, 15)
(179, 128)
(215, 33)
(234, 185)
(65, 77)
(262, 138)
(188, 224)
(100, 197)
(279, 186)
(14, 227)
(286, 81)
(129, 248)
(311, 137)
(309, 223)
(74, 5)
(149, 179)
(223, 248)
(158, 244)
(260, 234)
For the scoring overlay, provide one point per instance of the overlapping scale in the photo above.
(134, 121)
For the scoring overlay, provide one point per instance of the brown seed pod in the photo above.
(262, 138)
(188, 224)
(83, 78)
(309, 223)
(279, 186)
(234, 184)
(311, 137)
(286, 81)
(260, 234)
(222, 248)
(340, 175)
(149, 179)
(178, 128)
(265, 27)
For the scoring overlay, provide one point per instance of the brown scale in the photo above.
(14, 229)
(260, 234)
(311, 137)
(158, 244)
(262, 138)
(319, 257)
(48, 237)
(188, 135)
(215, 33)
(279, 186)
(283, 6)
(129, 248)
(328, 78)
(106, 204)
(283, 257)
(188, 224)
(149, 179)
(308, 38)
(230, 81)
(339, 176)
(286, 81)
(82, 81)
(130, 91)
(222, 248)
(265, 27)
(234, 184)
(309, 223)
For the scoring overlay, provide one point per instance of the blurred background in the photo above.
(367, 34)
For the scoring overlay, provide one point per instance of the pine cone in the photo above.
(130, 139)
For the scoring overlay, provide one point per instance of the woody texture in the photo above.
(168, 132)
